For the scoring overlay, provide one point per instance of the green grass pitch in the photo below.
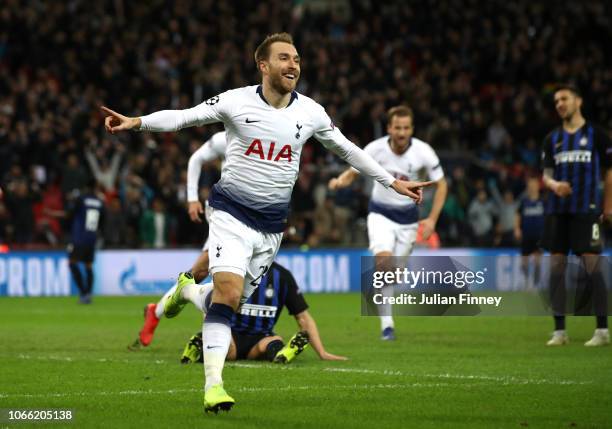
(444, 372)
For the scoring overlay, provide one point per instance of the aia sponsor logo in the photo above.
(272, 154)
(400, 176)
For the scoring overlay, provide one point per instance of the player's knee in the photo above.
(273, 348)
(199, 273)
(229, 295)
(228, 289)
(384, 261)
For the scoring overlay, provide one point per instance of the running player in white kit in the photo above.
(267, 126)
(393, 220)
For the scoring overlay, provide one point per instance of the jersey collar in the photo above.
(294, 96)
(405, 150)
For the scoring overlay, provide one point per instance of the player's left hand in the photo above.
(329, 356)
(411, 189)
(429, 226)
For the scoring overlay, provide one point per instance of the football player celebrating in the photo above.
(267, 126)
(393, 221)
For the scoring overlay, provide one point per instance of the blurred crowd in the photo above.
(478, 75)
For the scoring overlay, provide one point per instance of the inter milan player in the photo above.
(393, 221)
(267, 126)
(576, 158)
(85, 217)
(253, 334)
(528, 227)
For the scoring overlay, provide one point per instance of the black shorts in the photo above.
(81, 253)
(245, 342)
(530, 245)
(580, 233)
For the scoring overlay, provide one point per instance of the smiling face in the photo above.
(281, 70)
(567, 104)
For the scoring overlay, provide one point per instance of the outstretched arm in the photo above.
(308, 324)
(345, 179)
(335, 141)
(215, 109)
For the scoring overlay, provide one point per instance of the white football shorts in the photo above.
(388, 236)
(237, 248)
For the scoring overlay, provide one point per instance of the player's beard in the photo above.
(568, 115)
(281, 85)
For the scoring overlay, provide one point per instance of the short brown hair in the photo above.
(568, 87)
(401, 110)
(263, 50)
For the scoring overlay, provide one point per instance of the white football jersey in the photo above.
(263, 151)
(419, 156)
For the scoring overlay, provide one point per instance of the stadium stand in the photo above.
(480, 90)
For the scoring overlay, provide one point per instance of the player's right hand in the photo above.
(562, 189)
(411, 189)
(195, 209)
(329, 356)
(117, 122)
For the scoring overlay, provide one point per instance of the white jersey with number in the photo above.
(406, 166)
(263, 150)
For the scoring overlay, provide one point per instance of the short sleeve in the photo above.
(294, 301)
(547, 156)
(432, 164)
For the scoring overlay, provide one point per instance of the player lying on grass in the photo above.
(253, 334)
(252, 328)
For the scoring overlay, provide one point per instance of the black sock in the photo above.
(559, 323)
(90, 279)
(536, 273)
(273, 348)
(602, 322)
(78, 277)
(557, 287)
(600, 291)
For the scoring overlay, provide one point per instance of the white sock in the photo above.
(386, 322)
(196, 294)
(159, 309)
(216, 339)
(603, 331)
(386, 310)
(559, 332)
(200, 295)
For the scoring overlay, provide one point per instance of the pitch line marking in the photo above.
(243, 389)
(509, 380)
